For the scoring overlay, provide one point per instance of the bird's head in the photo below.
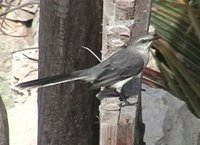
(142, 43)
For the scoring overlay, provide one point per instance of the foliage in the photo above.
(177, 53)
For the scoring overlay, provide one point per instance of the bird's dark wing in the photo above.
(118, 69)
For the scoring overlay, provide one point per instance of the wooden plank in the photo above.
(122, 125)
(109, 113)
(126, 124)
(116, 124)
(142, 13)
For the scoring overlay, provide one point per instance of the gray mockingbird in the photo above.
(114, 72)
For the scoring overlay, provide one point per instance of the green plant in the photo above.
(178, 52)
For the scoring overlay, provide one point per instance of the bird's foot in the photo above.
(126, 103)
(107, 93)
(113, 93)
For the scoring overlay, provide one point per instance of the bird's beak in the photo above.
(152, 37)
(156, 37)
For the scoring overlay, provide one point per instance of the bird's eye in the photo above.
(143, 41)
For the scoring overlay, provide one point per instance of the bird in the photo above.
(113, 72)
(131, 88)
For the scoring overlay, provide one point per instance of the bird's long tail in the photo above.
(52, 80)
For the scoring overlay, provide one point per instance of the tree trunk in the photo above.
(66, 111)
(4, 131)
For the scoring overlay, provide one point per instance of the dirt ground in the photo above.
(21, 110)
(23, 123)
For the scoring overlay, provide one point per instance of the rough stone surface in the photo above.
(167, 120)
(23, 116)
(23, 14)
(20, 15)
(7, 46)
(24, 68)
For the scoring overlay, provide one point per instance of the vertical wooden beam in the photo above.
(142, 13)
(122, 125)
(66, 111)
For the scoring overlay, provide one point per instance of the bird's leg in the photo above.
(140, 90)
(127, 103)
(107, 92)
(123, 98)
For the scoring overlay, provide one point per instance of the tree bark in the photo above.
(66, 111)
(4, 131)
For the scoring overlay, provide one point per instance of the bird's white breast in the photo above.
(119, 84)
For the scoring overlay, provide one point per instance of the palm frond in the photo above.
(177, 53)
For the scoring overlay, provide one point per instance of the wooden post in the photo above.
(122, 125)
(66, 111)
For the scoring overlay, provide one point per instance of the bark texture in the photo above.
(66, 111)
(4, 131)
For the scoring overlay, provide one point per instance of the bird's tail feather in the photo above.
(52, 80)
